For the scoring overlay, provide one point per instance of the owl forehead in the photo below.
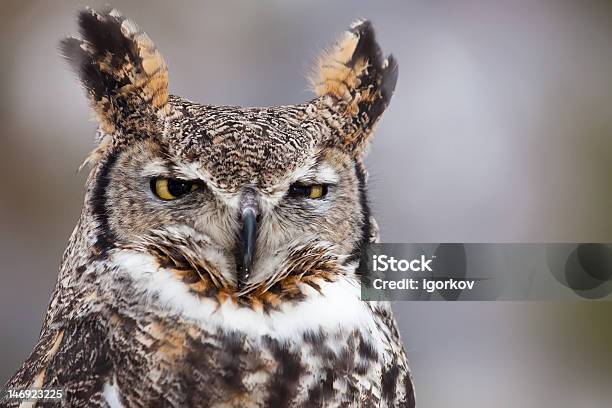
(237, 146)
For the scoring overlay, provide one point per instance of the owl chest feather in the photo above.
(158, 344)
(331, 347)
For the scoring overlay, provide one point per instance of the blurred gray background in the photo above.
(500, 130)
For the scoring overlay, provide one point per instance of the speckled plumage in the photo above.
(148, 309)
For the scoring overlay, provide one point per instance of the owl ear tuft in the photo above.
(359, 80)
(122, 71)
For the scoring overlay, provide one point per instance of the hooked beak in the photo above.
(248, 237)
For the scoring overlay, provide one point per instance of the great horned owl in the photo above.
(216, 259)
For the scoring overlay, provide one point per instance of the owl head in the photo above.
(246, 203)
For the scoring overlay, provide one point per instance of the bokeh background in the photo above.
(500, 130)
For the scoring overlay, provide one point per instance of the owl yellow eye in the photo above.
(171, 189)
(313, 191)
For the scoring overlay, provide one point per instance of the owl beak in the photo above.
(247, 238)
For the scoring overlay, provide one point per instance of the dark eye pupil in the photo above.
(299, 191)
(178, 187)
(306, 191)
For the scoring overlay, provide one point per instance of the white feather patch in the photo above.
(337, 308)
(110, 393)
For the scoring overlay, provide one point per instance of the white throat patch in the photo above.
(337, 308)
